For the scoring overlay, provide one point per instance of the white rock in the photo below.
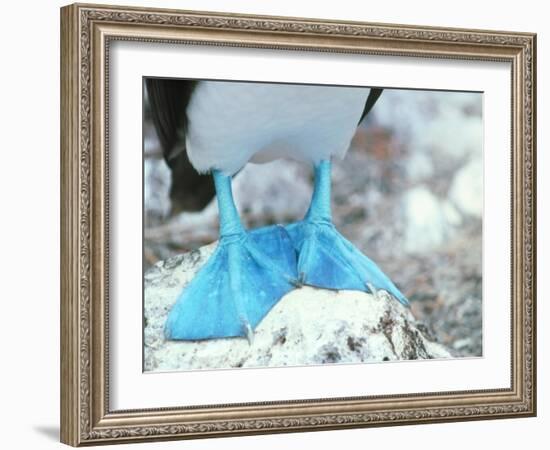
(425, 219)
(452, 216)
(442, 135)
(156, 187)
(467, 188)
(428, 119)
(262, 191)
(308, 326)
(419, 166)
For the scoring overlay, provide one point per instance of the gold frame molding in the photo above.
(86, 31)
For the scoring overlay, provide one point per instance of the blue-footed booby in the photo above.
(216, 128)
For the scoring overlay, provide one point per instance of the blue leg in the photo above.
(245, 277)
(327, 259)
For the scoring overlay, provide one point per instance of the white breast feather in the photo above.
(232, 123)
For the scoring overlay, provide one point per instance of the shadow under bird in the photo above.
(216, 128)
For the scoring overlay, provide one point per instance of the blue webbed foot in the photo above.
(248, 273)
(326, 259)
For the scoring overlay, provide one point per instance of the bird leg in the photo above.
(325, 258)
(248, 273)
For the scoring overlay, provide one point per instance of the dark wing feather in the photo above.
(168, 98)
(374, 94)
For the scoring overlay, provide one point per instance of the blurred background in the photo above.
(409, 194)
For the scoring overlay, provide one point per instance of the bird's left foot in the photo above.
(326, 259)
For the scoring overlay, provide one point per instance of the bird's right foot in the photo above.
(248, 273)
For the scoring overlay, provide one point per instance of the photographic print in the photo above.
(295, 224)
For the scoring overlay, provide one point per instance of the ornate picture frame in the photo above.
(87, 32)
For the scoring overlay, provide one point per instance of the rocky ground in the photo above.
(408, 194)
(307, 327)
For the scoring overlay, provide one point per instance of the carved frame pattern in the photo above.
(86, 31)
